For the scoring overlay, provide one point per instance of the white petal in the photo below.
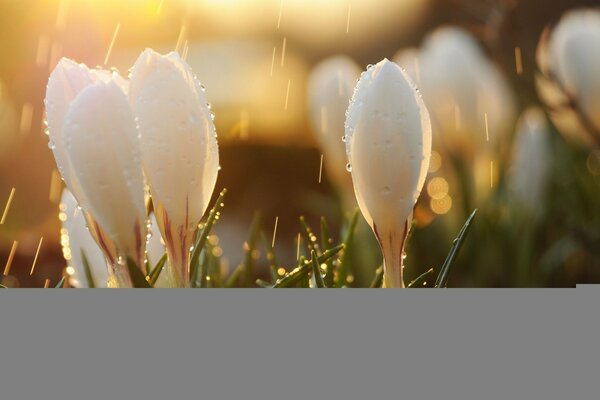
(389, 144)
(80, 241)
(330, 88)
(101, 142)
(178, 139)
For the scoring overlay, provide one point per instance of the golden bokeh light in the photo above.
(441, 206)
(437, 188)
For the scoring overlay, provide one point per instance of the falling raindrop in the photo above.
(348, 167)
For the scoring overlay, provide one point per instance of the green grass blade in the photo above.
(302, 270)
(418, 278)
(60, 283)
(378, 279)
(138, 279)
(213, 215)
(326, 245)
(270, 257)
(456, 245)
(247, 272)
(342, 270)
(309, 236)
(316, 269)
(155, 273)
(88, 271)
(234, 277)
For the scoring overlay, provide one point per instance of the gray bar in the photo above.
(300, 344)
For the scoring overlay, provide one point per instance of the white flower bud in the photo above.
(461, 87)
(179, 149)
(329, 91)
(569, 59)
(100, 140)
(388, 143)
(531, 160)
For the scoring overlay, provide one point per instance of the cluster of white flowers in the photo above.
(112, 138)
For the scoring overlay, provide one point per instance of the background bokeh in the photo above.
(254, 57)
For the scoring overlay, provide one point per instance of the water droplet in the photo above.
(219, 168)
(344, 138)
(348, 167)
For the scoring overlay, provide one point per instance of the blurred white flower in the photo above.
(461, 87)
(179, 150)
(388, 143)
(531, 160)
(75, 240)
(329, 91)
(101, 144)
(569, 82)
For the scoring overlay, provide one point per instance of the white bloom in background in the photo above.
(409, 60)
(388, 143)
(530, 160)
(75, 240)
(569, 83)
(330, 88)
(101, 144)
(460, 87)
(179, 150)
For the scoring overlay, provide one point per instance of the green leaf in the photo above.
(88, 271)
(317, 270)
(418, 278)
(138, 280)
(60, 283)
(2, 286)
(213, 215)
(155, 273)
(378, 279)
(456, 245)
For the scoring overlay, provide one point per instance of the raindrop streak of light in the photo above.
(37, 252)
(348, 20)
(487, 130)
(7, 207)
(186, 48)
(46, 283)
(491, 174)
(26, 118)
(61, 15)
(159, 8)
(41, 56)
(112, 43)
(280, 14)
(274, 232)
(180, 38)
(273, 59)
(55, 53)
(321, 168)
(283, 50)
(287, 94)
(298, 239)
(518, 61)
(55, 186)
(11, 255)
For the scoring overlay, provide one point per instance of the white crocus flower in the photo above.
(531, 160)
(388, 143)
(461, 87)
(569, 83)
(66, 84)
(179, 150)
(329, 91)
(76, 240)
(101, 144)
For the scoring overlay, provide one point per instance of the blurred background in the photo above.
(255, 59)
